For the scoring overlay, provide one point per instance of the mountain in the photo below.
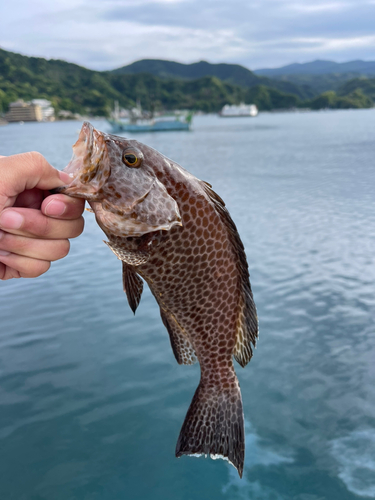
(171, 69)
(230, 73)
(321, 67)
(320, 76)
(79, 90)
(68, 86)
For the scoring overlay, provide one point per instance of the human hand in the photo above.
(34, 225)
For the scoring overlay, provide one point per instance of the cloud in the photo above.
(319, 7)
(104, 34)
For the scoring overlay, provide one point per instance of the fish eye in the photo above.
(132, 157)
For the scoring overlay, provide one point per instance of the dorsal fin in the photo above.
(133, 286)
(181, 345)
(247, 323)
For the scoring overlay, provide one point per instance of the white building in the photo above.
(239, 110)
(48, 113)
(21, 111)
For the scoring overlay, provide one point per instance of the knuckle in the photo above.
(36, 155)
(45, 227)
(35, 158)
(18, 244)
(38, 161)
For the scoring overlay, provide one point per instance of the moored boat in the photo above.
(136, 120)
(159, 124)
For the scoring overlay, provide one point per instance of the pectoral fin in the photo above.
(133, 286)
(132, 258)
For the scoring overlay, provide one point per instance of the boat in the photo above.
(233, 110)
(159, 124)
(136, 121)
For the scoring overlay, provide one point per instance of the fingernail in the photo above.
(65, 177)
(11, 220)
(4, 252)
(55, 207)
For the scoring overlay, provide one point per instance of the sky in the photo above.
(107, 34)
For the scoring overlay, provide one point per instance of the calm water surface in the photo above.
(92, 399)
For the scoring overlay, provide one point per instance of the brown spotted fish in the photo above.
(173, 230)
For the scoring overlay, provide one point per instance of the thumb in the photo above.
(28, 171)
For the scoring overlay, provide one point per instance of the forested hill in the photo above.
(320, 75)
(234, 74)
(77, 89)
(80, 90)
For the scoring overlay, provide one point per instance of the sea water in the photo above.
(91, 397)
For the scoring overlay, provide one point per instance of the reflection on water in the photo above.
(355, 456)
(259, 456)
(91, 397)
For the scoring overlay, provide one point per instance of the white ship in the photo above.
(242, 109)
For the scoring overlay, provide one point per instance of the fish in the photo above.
(171, 230)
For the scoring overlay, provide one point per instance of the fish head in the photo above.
(118, 177)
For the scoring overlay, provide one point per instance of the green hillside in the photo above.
(67, 85)
(355, 93)
(229, 73)
(365, 85)
(320, 76)
(318, 83)
(79, 90)
(355, 99)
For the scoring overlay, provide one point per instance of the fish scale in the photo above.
(174, 231)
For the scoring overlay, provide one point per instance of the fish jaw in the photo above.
(89, 167)
(100, 177)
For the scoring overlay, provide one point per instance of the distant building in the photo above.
(48, 113)
(21, 111)
(239, 110)
(68, 115)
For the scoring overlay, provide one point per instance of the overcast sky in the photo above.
(106, 34)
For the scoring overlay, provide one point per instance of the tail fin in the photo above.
(214, 425)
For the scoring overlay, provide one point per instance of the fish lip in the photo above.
(83, 146)
(87, 131)
(88, 152)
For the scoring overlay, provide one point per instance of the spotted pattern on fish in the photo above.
(195, 265)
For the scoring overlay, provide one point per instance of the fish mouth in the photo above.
(82, 149)
(89, 166)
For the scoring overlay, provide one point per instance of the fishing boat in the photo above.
(159, 124)
(233, 110)
(138, 122)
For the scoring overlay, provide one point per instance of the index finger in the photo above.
(27, 171)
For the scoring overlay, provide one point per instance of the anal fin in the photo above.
(133, 286)
(181, 345)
